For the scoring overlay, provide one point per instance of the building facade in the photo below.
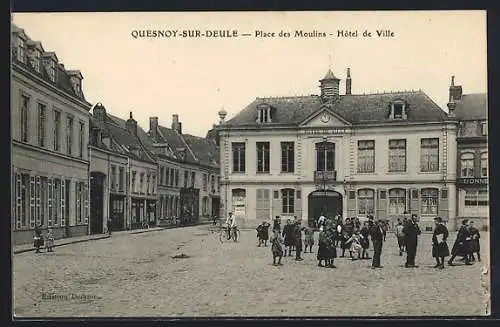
(123, 174)
(189, 172)
(386, 154)
(50, 161)
(472, 154)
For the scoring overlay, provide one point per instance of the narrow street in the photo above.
(135, 275)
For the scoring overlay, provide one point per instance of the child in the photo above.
(277, 247)
(49, 243)
(37, 238)
(309, 239)
(263, 233)
(356, 246)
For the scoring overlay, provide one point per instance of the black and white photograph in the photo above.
(249, 164)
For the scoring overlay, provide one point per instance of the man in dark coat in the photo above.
(462, 247)
(440, 248)
(377, 236)
(411, 232)
(298, 240)
(347, 232)
(289, 236)
(475, 246)
(109, 225)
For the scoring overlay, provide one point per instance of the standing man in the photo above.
(298, 240)
(411, 233)
(109, 225)
(289, 236)
(400, 236)
(377, 236)
(277, 224)
(230, 223)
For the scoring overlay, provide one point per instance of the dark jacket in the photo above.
(474, 233)
(376, 233)
(289, 234)
(411, 232)
(440, 249)
(462, 245)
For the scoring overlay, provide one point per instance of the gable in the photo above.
(324, 118)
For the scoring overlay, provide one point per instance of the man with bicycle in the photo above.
(230, 224)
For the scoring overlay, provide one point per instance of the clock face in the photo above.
(325, 118)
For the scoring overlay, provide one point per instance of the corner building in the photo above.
(471, 111)
(383, 154)
(50, 128)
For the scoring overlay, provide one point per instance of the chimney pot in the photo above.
(348, 82)
(131, 115)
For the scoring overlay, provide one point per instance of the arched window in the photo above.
(287, 200)
(366, 201)
(430, 198)
(397, 201)
(467, 165)
(484, 164)
(325, 156)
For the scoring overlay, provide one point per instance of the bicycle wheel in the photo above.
(236, 235)
(223, 235)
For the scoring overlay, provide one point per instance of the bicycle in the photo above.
(235, 234)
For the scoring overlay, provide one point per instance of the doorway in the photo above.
(326, 202)
(96, 202)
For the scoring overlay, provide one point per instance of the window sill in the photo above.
(366, 173)
(429, 172)
(263, 173)
(397, 172)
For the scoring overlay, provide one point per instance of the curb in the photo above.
(103, 237)
(62, 244)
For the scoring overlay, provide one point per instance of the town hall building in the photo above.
(385, 154)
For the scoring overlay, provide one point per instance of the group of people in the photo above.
(352, 236)
(40, 240)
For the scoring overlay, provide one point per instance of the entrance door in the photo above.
(328, 203)
(96, 202)
(215, 207)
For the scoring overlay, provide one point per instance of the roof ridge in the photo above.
(187, 145)
(385, 92)
(287, 97)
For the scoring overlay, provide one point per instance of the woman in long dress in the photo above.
(462, 244)
(440, 248)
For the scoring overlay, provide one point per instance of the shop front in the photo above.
(117, 211)
(189, 205)
(473, 201)
(151, 212)
(137, 213)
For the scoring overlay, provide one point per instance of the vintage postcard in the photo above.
(250, 164)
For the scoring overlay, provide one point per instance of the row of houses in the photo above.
(75, 166)
(386, 154)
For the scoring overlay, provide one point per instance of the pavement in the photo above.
(188, 272)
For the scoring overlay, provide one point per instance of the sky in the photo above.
(195, 77)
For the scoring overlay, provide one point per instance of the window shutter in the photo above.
(50, 196)
(276, 204)
(63, 203)
(351, 203)
(32, 202)
(381, 204)
(443, 204)
(38, 193)
(18, 201)
(86, 202)
(298, 204)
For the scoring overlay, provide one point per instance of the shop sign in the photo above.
(473, 181)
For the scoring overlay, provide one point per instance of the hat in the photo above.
(438, 219)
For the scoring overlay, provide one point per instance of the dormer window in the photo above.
(264, 114)
(21, 46)
(52, 70)
(398, 110)
(36, 62)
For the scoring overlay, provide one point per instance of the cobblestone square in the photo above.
(135, 275)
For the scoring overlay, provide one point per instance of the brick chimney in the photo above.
(131, 125)
(176, 125)
(153, 126)
(451, 108)
(348, 82)
(455, 91)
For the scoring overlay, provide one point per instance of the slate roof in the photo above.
(62, 78)
(356, 109)
(330, 76)
(198, 150)
(472, 106)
